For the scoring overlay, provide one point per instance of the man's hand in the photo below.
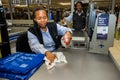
(50, 56)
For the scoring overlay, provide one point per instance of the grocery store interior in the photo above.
(94, 56)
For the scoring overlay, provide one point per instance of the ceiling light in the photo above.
(64, 4)
(18, 5)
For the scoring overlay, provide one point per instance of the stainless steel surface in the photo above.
(95, 43)
(81, 66)
(113, 6)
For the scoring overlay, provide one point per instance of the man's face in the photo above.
(41, 18)
(79, 6)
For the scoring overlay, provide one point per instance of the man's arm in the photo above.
(68, 19)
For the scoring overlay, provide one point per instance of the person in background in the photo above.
(78, 17)
(45, 36)
(51, 15)
(57, 17)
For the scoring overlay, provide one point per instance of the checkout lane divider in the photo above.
(14, 36)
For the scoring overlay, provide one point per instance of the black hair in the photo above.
(37, 9)
(78, 2)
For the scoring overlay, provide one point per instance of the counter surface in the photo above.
(81, 66)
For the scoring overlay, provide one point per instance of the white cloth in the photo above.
(60, 59)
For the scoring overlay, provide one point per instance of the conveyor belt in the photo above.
(14, 36)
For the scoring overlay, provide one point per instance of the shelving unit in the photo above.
(4, 40)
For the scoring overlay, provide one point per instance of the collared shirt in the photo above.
(70, 17)
(49, 44)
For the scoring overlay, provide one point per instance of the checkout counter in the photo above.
(70, 71)
(81, 66)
